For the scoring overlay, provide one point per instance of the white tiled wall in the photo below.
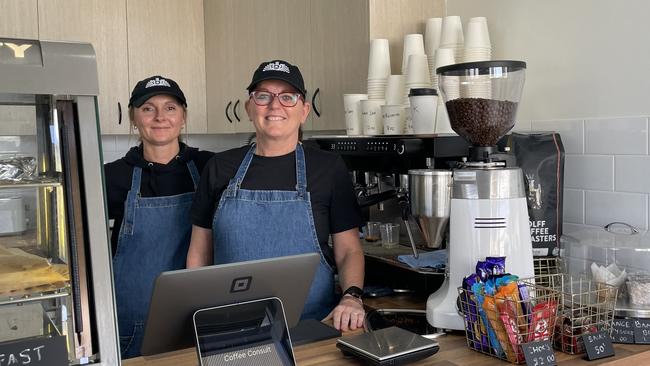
(607, 169)
(114, 147)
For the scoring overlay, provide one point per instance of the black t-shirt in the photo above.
(333, 202)
(158, 180)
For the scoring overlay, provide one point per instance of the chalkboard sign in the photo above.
(539, 353)
(623, 331)
(598, 345)
(641, 331)
(42, 351)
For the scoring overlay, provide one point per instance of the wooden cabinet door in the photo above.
(19, 19)
(339, 57)
(166, 37)
(220, 57)
(267, 31)
(103, 24)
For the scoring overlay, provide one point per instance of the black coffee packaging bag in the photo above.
(541, 158)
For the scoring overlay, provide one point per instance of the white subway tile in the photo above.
(571, 133)
(520, 126)
(108, 143)
(627, 135)
(601, 208)
(124, 142)
(632, 174)
(110, 156)
(574, 206)
(589, 172)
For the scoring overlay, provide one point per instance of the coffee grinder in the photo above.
(489, 216)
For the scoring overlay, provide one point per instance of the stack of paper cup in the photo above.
(418, 74)
(351, 105)
(393, 118)
(371, 116)
(395, 89)
(451, 88)
(424, 103)
(452, 36)
(444, 57)
(408, 121)
(378, 68)
(477, 41)
(413, 45)
(432, 32)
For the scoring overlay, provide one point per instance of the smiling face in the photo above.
(275, 121)
(159, 120)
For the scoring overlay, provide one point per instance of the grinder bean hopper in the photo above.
(488, 214)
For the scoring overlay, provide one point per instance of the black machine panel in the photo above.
(395, 153)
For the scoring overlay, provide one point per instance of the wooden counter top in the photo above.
(453, 350)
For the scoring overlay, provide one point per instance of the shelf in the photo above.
(389, 256)
(36, 296)
(37, 183)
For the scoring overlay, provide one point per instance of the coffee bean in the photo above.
(481, 121)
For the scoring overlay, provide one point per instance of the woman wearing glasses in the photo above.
(278, 197)
(150, 192)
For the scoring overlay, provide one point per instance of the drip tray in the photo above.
(409, 319)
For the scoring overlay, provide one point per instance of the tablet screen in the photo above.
(249, 333)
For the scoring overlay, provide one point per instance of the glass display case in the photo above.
(617, 244)
(55, 275)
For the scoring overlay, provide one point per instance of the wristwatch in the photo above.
(354, 291)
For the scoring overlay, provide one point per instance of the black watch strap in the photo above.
(354, 291)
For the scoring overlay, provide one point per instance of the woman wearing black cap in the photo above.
(150, 192)
(278, 197)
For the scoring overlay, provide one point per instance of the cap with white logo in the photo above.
(155, 85)
(278, 70)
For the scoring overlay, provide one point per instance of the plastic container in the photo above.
(617, 243)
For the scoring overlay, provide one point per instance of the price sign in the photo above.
(598, 345)
(623, 331)
(45, 351)
(641, 331)
(539, 353)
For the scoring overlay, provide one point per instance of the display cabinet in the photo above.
(56, 295)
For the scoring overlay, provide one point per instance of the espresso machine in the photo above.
(402, 179)
(489, 215)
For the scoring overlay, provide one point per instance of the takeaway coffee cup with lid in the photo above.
(424, 104)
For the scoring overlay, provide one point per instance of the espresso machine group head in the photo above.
(489, 215)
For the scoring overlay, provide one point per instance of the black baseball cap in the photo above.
(279, 70)
(155, 85)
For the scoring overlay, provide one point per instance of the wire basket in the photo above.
(499, 325)
(546, 266)
(585, 307)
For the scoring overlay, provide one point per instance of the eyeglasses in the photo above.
(263, 98)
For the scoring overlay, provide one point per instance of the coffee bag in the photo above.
(541, 158)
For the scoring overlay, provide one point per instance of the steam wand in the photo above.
(406, 209)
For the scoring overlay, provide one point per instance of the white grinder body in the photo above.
(488, 218)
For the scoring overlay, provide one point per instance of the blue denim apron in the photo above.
(154, 237)
(257, 224)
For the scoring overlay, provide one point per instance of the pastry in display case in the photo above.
(617, 254)
(55, 276)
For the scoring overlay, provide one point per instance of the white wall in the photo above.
(587, 77)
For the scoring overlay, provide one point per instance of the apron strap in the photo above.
(236, 181)
(131, 199)
(194, 172)
(301, 171)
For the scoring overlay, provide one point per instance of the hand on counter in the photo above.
(348, 314)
